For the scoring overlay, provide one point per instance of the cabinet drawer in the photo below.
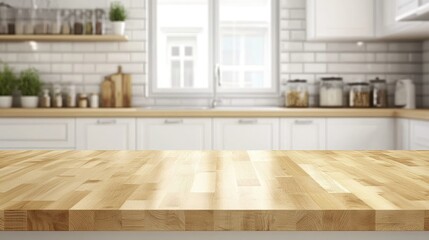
(303, 134)
(419, 135)
(37, 133)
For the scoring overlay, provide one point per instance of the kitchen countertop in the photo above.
(218, 112)
(197, 190)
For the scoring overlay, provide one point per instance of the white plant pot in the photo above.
(6, 101)
(118, 28)
(29, 101)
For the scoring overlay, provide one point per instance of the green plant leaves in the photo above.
(117, 12)
(8, 81)
(29, 82)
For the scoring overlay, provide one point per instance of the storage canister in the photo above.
(100, 21)
(331, 92)
(296, 94)
(359, 95)
(78, 27)
(379, 93)
(3, 19)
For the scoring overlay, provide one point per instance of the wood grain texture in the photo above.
(214, 191)
(221, 112)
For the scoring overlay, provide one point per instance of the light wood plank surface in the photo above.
(221, 191)
(219, 112)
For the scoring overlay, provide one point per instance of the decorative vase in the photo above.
(118, 28)
(6, 101)
(29, 101)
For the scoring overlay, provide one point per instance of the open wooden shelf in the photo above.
(63, 38)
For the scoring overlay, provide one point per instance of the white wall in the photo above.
(85, 64)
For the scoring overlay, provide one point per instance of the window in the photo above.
(203, 46)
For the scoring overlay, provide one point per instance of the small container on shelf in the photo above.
(83, 100)
(19, 21)
(78, 26)
(55, 22)
(100, 22)
(11, 15)
(70, 96)
(45, 101)
(296, 95)
(3, 20)
(359, 95)
(331, 92)
(29, 21)
(94, 100)
(57, 97)
(67, 22)
(89, 22)
(379, 93)
(42, 22)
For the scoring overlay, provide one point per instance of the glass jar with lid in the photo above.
(359, 95)
(11, 15)
(3, 19)
(19, 21)
(55, 21)
(29, 21)
(89, 22)
(379, 93)
(67, 17)
(100, 21)
(331, 92)
(78, 27)
(42, 21)
(296, 94)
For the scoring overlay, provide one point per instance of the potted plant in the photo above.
(117, 16)
(7, 86)
(30, 86)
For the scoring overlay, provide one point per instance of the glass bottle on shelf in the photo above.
(3, 19)
(78, 27)
(89, 22)
(19, 22)
(46, 99)
(70, 96)
(67, 22)
(55, 22)
(100, 21)
(11, 15)
(41, 23)
(29, 21)
(359, 95)
(378, 93)
(331, 92)
(296, 94)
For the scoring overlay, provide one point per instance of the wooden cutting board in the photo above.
(117, 90)
(106, 93)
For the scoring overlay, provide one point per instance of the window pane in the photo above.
(182, 27)
(245, 42)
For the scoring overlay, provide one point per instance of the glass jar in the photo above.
(70, 96)
(57, 97)
(3, 19)
(89, 22)
(331, 92)
(55, 22)
(83, 100)
(100, 21)
(78, 27)
(11, 15)
(379, 93)
(29, 21)
(42, 22)
(359, 95)
(67, 22)
(19, 22)
(46, 99)
(296, 94)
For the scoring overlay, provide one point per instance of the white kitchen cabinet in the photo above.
(303, 134)
(174, 134)
(402, 134)
(419, 135)
(405, 6)
(37, 133)
(246, 134)
(341, 19)
(106, 134)
(360, 134)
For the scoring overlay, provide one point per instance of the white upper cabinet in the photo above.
(174, 134)
(37, 133)
(340, 19)
(360, 134)
(419, 135)
(106, 134)
(303, 134)
(246, 134)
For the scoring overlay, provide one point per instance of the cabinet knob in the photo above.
(173, 121)
(248, 121)
(106, 121)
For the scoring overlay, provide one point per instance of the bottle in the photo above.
(78, 27)
(89, 22)
(94, 100)
(71, 96)
(100, 18)
(57, 97)
(46, 99)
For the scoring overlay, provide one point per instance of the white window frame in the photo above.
(214, 82)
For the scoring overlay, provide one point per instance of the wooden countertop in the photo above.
(219, 112)
(197, 191)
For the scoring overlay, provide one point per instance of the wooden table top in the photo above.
(197, 190)
(422, 114)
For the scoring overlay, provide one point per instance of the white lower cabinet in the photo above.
(402, 134)
(246, 134)
(360, 134)
(106, 134)
(37, 133)
(303, 134)
(419, 135)
(174, 134)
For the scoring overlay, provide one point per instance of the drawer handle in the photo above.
(248, 121)
(106, 121)
(173, 121)
(303, 122)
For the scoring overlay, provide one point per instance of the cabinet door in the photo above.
(174, 134)
(106, 134)
(17, 133)
(360, 134)
(419, 135)
(402, 134)
(341, 19)
(303, 134)
(246, 134)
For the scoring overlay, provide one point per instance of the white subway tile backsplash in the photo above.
(302, 57)
(315, 47)
(73, 57)
(62, 68)
(315, 68)
(118, 57)
(95, 57)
